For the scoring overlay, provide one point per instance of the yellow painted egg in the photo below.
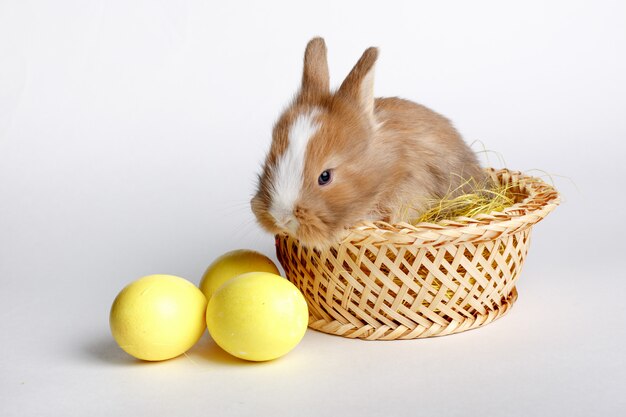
(257, 316)
(158, 317)
(231, 264)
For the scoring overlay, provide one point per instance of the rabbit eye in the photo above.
(325, 177)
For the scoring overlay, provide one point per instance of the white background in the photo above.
(130, 136)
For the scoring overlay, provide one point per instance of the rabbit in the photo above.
(341, 157)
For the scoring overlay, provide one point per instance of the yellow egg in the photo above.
(231, 264)
(257, 316)
(158, 317)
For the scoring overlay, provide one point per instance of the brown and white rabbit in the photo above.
(340, 157)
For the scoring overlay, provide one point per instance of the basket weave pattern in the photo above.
(400, 281)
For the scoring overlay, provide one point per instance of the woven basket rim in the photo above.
(540, 199)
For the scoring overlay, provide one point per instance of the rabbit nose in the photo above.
(288, 222)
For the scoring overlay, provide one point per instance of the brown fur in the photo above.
(386, 153)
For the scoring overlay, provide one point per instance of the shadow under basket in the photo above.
(401, 281)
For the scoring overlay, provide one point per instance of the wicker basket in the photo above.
(399, 281)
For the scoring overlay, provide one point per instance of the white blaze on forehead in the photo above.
(289, 171)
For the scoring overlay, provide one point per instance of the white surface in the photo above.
(130, 136)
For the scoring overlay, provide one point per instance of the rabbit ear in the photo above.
(315, 80)
(359, 84)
